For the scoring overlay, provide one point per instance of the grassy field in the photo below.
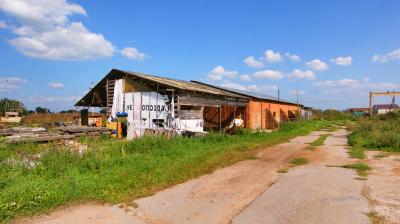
(115, 171)
(379, 132)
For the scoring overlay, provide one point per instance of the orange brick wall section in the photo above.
(256, 112)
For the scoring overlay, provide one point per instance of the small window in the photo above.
(274, 114)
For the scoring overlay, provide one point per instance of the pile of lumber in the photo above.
(83, 130)
(22, 134)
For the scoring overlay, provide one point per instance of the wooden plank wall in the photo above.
(228, 113)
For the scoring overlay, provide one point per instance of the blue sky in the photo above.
(333, 52)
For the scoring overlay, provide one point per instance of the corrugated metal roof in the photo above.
(247, 93)
(184, 85)
(172, 83)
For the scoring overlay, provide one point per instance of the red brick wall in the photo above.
(256, 112)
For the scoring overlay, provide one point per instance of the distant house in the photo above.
(360, 111)
(306, 113)
(384, 108)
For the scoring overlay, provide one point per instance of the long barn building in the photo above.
(154, 102)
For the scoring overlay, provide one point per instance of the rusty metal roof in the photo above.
(249, 94)
(87, 100)
(184, 85)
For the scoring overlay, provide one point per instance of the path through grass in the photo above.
(115, 171)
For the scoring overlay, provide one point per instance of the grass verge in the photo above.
(320, 140)
(299, 161)
(378, 132)
(356, 152)
(115, 171)
(361, 168)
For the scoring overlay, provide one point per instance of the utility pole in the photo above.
(278, 93)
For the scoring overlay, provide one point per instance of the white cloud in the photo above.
(245, 77)
(296, 91)
(56, 85)
(252, 88)
(266, 89)
(10, 84)
(293, 57)
(219, 73)
(46, 32)
(41, 14)
(344, 61)
(3, 24)
(299, 74)
(346, 83)
(353, 87)
(271, 56)
(270, 74)
(252, 62)
(391, 56)
(52, 99)
(234, 86)
(317, 65)
(133, 53)
(74, 42)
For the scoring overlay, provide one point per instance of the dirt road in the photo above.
(250, 191)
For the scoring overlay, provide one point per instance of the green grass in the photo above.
(282, 170)
(361, 168)
(116, 171)
(309, 148)
(299, 161)
(378, 132)
(381, 155)
(320, 140)
(356, 152)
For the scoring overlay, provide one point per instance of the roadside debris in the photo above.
(24, 134)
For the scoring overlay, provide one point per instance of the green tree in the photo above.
(11, 105)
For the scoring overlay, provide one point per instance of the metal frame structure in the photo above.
(388, 93)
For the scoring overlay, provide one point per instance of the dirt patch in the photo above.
(383, 186)
(90, 213)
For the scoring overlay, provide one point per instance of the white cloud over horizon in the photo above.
(252, 62)
(272, 57)
(56, 85)
(343, 61)
(245, 77)
(219, 73)
(269, 74)
(251, 88)
(317, 65)
(299, 74)
(46, 32)
(10, 84)
(349, 87)
(133, 53)
(52, 99)
(293, 57)
(390, 56)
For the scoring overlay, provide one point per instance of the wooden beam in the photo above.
(386, 94)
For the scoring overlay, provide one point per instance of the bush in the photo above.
(380, 132)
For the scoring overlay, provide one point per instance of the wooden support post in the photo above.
(219, 118)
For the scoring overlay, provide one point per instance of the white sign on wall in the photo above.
(145, 110)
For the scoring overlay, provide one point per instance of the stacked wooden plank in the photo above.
(22, 134)
(83, 130)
